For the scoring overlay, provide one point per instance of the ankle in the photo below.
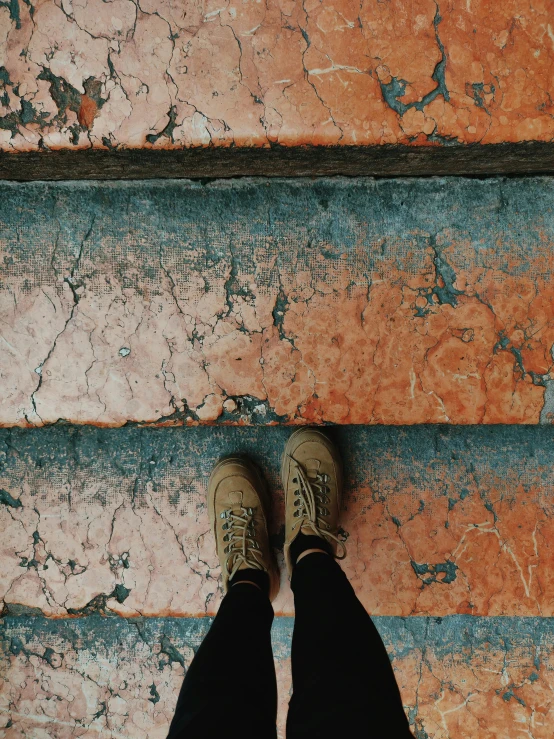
(311, 551)
(259, 578)
(245, 582)
(307, 542)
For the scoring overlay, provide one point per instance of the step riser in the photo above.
(441, 520)
(458, 676)
(396, 302)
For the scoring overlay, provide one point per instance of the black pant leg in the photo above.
(343, 682)
(230, 688)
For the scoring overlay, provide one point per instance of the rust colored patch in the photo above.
(87, 111)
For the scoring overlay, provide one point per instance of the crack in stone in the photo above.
(395, 89)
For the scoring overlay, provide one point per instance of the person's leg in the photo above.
(342, 679)
(343, 682)
(230, 689)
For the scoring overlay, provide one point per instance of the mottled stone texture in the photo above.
(395, 302)
(460, 677)
(439, 520)
(162, 73)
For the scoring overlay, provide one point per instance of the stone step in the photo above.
(256, 301)
(459, 676)
(252, 76)
(441, 520)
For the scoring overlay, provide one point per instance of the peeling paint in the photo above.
(84, 76)
(8, 500)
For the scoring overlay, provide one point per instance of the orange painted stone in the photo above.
(87, 111)
(439, 522)
(380, 302)
(171, 75)
(459, 678)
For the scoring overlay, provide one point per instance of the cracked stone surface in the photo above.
(335, 301)
(166, 74)
(439, 520)
(460, 677)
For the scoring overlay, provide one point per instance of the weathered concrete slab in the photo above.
(161, 74)
(440, 520)
(109, 677)
(337, 301)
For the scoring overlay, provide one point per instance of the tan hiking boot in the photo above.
(238, 506)
(312, 479)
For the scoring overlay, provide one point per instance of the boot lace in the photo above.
(241, 546)
(311, 497)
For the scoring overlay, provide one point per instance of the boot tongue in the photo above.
(312, 468)
(235, 498)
